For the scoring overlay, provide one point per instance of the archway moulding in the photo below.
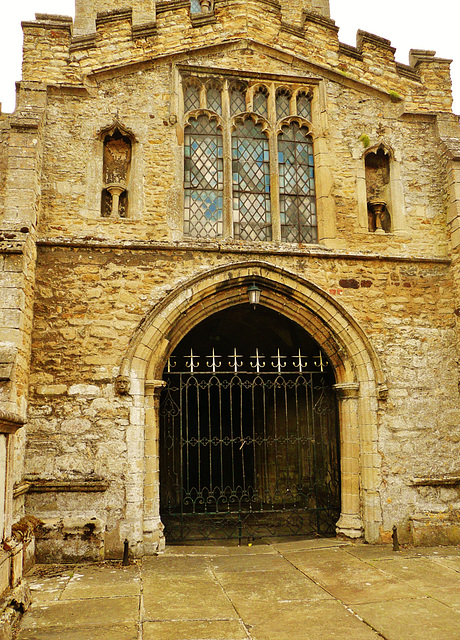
(212, 290)
(359, 379)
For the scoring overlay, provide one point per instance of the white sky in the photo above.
(409, 24)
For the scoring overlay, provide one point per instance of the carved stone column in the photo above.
(153, 528)
(350, 523)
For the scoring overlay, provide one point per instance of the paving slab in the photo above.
(164, 565)
(301, 545)
(82, 633)
(218, 550)
(448, 562)
(438, 551)
(91, 582)
(326, 620)
(420, 619)
(199, 630)
(74, 614)
(263, 589)
(45, 591)
(291, 590)
(184, 598)
(265, 562)
(423, 573)
(379, 552)
(347, 578)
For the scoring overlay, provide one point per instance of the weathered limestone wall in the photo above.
(4, 131)
(142, 103)
(98, 278)
(20, 160)
(86, 315)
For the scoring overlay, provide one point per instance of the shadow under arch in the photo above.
(359, 386)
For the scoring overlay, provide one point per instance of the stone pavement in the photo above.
(297, 590)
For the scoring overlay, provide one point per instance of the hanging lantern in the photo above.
(254, 294)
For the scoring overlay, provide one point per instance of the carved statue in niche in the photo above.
(116, 166)
(378, 191)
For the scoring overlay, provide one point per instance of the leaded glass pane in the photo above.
(191, 98)
(251, 183)
(282, 104)
(203, 179)
(297, 186)
(303, 106)
(214, 100)
(195, 6)
(237, 101)
(260, 102)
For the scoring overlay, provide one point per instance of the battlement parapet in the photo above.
(58, 53)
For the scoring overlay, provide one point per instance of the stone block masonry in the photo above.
(99, 282)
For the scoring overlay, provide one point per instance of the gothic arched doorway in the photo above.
(249, 437)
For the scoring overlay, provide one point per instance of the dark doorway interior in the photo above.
(249, 437)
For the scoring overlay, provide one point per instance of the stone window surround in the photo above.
(203, 78)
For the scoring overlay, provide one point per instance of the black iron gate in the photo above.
(248, 452)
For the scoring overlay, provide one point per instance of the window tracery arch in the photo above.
(260, 101)
(191, 96)
(303, 104)
(237, 98)
(214, 98)
(248, 161)
(283, 103)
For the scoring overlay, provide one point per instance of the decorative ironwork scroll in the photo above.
(249, 447)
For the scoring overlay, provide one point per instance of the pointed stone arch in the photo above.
(359, 385)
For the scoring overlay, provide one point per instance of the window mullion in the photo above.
(227, 158)
(274, 179)
(274, 187)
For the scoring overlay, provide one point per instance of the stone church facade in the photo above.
(164, 162)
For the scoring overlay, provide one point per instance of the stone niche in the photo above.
(116, 172)
(377, 167)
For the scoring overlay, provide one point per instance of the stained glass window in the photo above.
(251, 183)
(260, 102)
(214, 102)
(303, 105)
(195, 6)
(237, 100)
(203, 179)
(282, 104)
(297, 185)
(191, 98)
(248, 214)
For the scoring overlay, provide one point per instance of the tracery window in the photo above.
(251, 183)
(237, 99)
(213, 99)
(191, 97)
(297, 185)
(248, 174)
(260, 99)
(303, 105)
(203, 179)
(283, 98)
